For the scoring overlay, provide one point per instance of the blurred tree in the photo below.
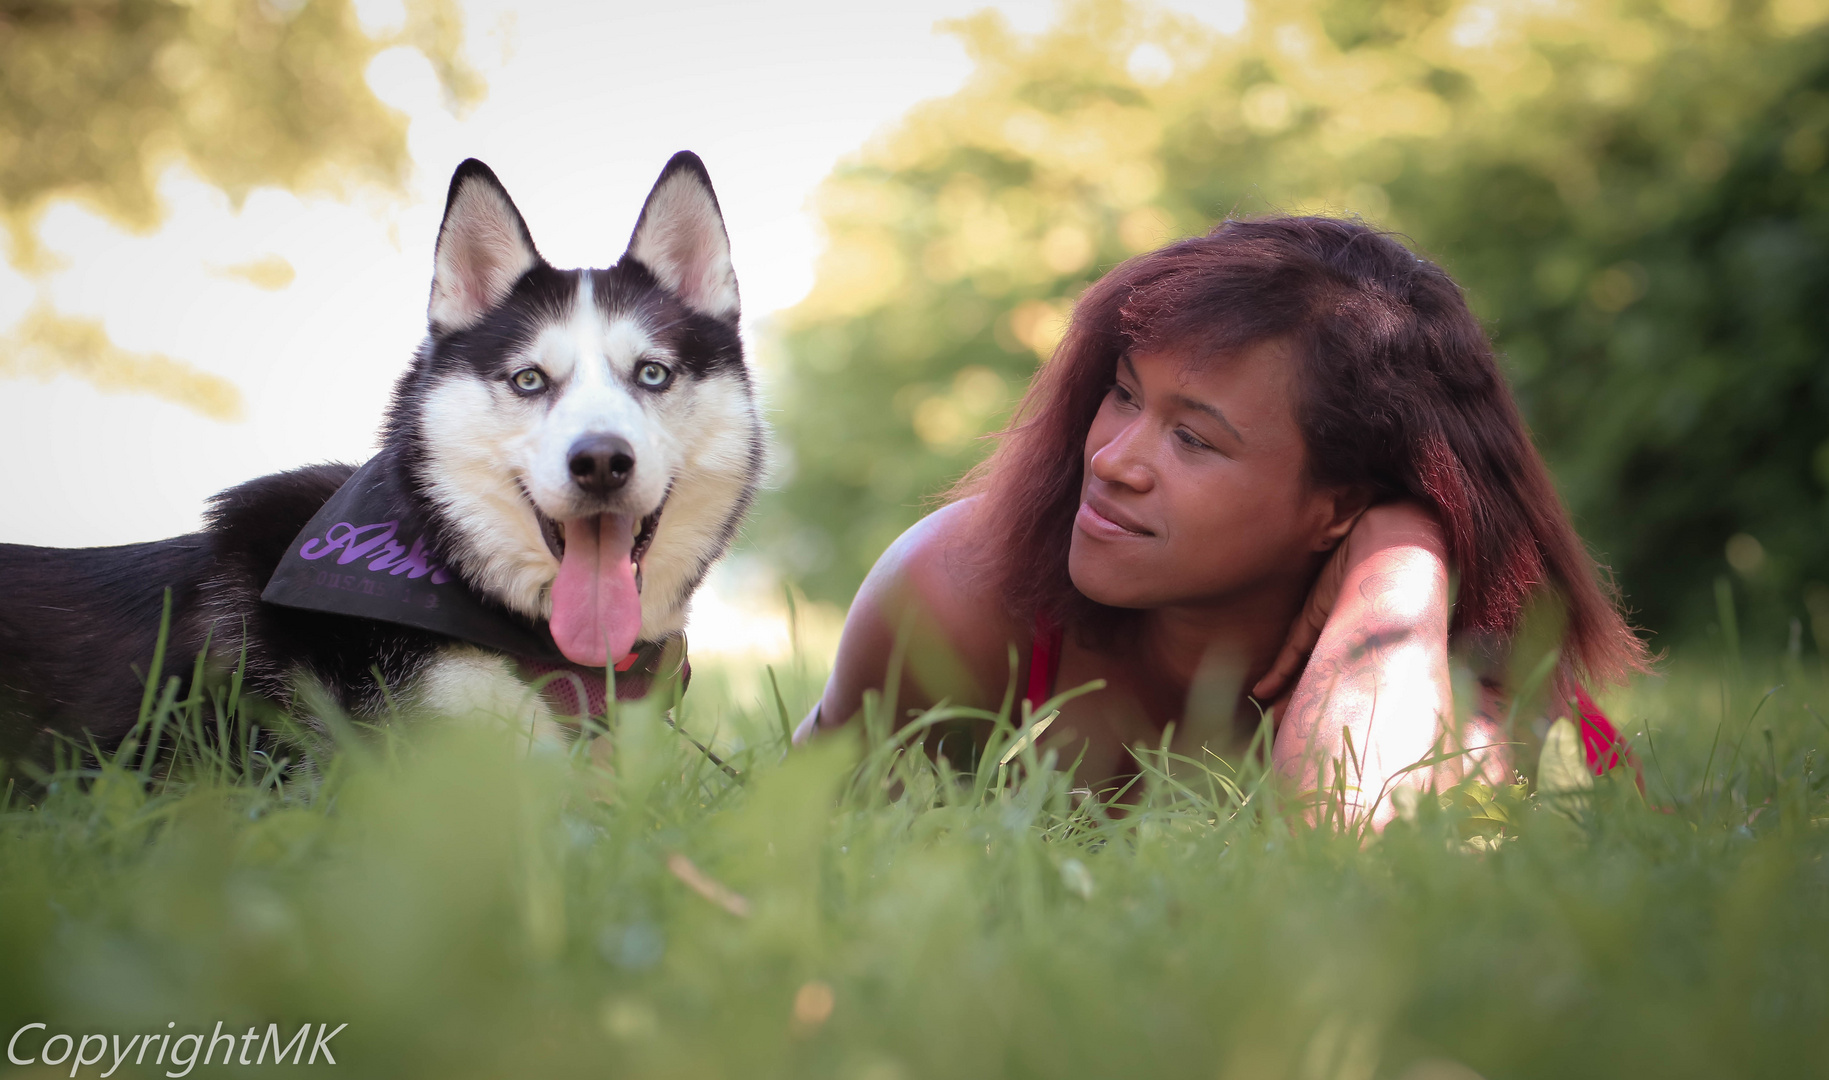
(1632, 193)
(98, 97)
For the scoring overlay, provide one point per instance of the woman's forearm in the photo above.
(1375, 698)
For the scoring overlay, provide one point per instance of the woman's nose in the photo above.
(1123, 461)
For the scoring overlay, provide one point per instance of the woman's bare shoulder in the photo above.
(940, 564)
(931, 589)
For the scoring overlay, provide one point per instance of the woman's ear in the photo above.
(1343, 507)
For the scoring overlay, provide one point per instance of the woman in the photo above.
(1287, 433)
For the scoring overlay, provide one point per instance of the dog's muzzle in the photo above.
(600, 464)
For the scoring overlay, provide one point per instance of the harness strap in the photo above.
(573, 688)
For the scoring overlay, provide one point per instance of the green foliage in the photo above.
(471, 908)
(1633, 195)
(98, 97)
(46, 343)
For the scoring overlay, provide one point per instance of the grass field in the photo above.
(469, 907)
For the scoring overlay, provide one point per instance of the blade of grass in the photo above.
(787, 724)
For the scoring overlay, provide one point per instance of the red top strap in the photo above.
(1044, 662)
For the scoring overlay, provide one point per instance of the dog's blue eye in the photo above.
(529, 380)
(653, 375)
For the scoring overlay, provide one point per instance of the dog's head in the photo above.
(587, 440)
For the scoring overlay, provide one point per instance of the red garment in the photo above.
(1602, 742)
(1044, 663)
(1599, 739)
(577, 689)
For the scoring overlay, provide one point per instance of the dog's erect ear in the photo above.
(680, 237)
(483, 249)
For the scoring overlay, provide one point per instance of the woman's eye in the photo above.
(1190, 439)
(1123, 395)
(528, 380)
(653, 375)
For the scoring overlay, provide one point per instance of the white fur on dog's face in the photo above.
(489, 455)
(589, 362)
(494, 455)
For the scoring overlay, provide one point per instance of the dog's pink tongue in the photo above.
(596, 608)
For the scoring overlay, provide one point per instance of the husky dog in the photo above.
(568, 454)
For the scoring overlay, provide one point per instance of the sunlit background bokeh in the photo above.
(221, 215)
(291, 314)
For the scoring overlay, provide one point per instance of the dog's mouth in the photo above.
(553, 531)
(550, 530)
(596, 597)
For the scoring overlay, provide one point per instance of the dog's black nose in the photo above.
(601, 464)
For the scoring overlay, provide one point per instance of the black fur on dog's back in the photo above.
(78, 626)
(74, 623)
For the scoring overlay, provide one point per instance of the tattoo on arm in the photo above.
(1348, 674)
(1377, 590)
(1353, 672)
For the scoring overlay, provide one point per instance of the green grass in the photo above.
(471, 908)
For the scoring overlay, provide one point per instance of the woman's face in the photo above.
(1194, 489)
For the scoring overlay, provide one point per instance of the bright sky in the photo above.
(586, 101)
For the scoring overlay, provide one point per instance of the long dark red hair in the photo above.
(1398, 393)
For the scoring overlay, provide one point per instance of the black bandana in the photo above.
(365, 553)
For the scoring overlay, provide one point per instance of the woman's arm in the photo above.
(1375, 696)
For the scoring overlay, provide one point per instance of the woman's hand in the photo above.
(1307, 628)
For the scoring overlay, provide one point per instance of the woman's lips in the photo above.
(1101, 519)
